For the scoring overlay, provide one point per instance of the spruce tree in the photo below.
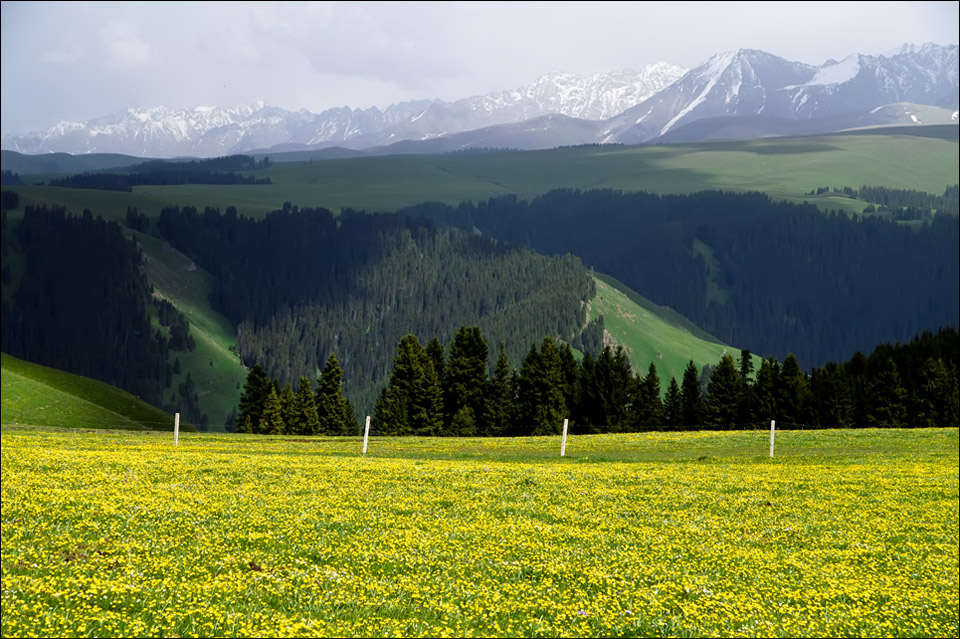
(832, 404)
(764, 392)
(465, 383)
(288, 400)
(498, 398)
(691, 396)
(437, 355)
(648, 408)
(412, 403)
(724, 394)
(589, 412)
(793, 393)
(887, 408)
(540, 395)
(334, 415)
(253, 400)
(673, 406)
(746, 386)
(304, 419)
(272, 420)
(936, 396)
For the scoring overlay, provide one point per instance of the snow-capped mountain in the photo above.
(754, 83)
(210, 131)
(757, 91)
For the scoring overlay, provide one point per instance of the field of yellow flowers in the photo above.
(849, 533)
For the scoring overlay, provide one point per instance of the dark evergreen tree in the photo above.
(287, 402)
(673, 406)
(412, 403)
(793, 393)
(747, 380)
(334, 413)
(690, 393)
(305, 420)
(271, 422)
(724, 394)
(541, 408)
(765, 391)
(832, 402)
(499, 398)
(887, 399)
(570, 376)
(253, 400)
(438, 356)
(466, 382)
(932, 398)
(649, 411)
(608, 393)
(856, 373)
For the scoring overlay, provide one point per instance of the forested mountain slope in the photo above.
(771, 277)
(301, 284)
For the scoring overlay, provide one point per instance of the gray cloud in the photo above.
(82, 60)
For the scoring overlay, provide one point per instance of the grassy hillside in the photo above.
(215, 368)
(38, 395)
(921, 158)
(651, 333)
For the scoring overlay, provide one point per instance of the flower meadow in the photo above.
(844, 534)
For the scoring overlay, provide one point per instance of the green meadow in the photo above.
(843, 533)
(924, 159)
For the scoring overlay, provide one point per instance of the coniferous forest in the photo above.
(777, 277)
(82, 305)
(301, 284)
(358, 313)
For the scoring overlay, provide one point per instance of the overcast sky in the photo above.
(77, 61)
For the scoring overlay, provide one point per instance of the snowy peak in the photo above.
(208, 130)
(619, 106)
(732, 83)
(750, 83)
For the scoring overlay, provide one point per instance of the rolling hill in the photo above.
(921, 158)
(40, 396)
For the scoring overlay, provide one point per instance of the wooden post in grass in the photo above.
(563, 441)
(773, 427)
(176, 428)
(366, 435)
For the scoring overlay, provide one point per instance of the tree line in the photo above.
(157, 177)
(221, 170)
(449, 391)
(269, 408)
(904, 203)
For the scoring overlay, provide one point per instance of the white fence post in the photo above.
(176, 429)
(563, 441)
(366, 435)
(773, 427)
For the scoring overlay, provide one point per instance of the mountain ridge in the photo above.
(615, 107)
(206, 131)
